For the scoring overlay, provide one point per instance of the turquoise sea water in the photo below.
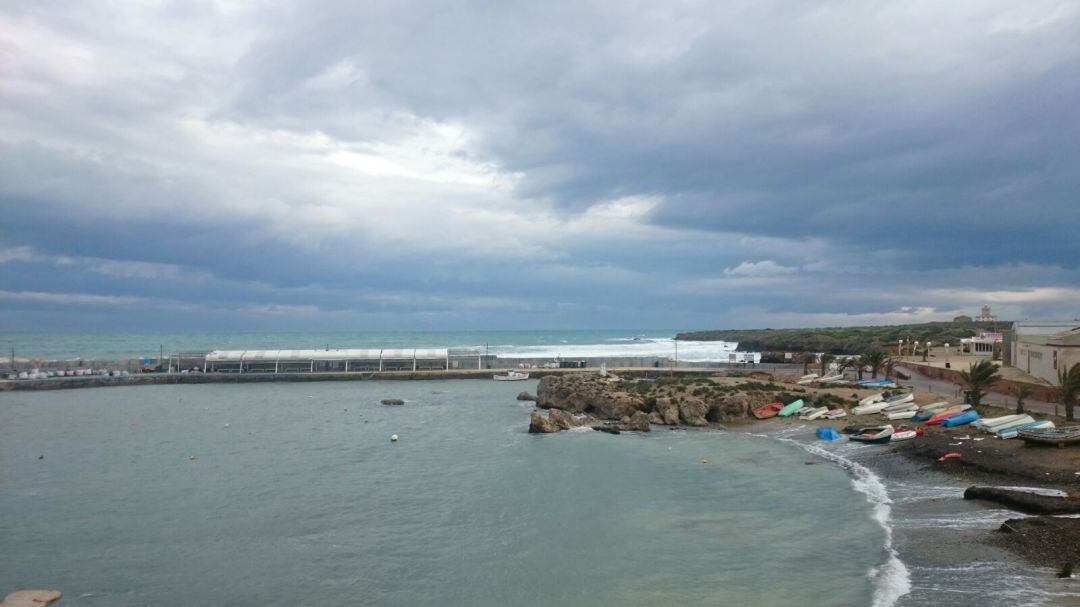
(296, 496)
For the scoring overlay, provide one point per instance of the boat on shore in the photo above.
(511, 375)
(1061, 437)
(959, 420)
(908, 414)
(835, 414)
(873, 398)
(1042, 424)
(815, 413)
(767, 411)
(947, 413)
(807, 379)
(901, 434)
(875, 435)
(791, 408)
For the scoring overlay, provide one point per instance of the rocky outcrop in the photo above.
(558, 420)
(526, 396)
(392, 401)
(30, 598)
(1024, 501)
(588, 394)
(628, 405)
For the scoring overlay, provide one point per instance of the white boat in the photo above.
(873, 398)
(988, 423)
(910, 413)
(511, 375)
(803, 411)
(870, 408)
(1042, 424)
(835, 414)
(876, 435)
(831, 378)
(807, 379)
(815, 413)
(904, 435)
(900, 398)
(940, 403)
(903, 406)
(1023, 421)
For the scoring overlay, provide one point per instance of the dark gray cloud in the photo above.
(320, 164)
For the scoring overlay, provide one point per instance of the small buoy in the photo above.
(191, 457)
(41, 457)
(669, 449)
(704, 461)
(393, 438)
(226, 425)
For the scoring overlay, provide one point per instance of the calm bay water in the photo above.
(292, 499)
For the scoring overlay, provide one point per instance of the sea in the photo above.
(514, 344)
(295, 493)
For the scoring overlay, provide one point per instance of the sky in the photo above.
(325, 165)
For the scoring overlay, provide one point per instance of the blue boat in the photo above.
(959, 420)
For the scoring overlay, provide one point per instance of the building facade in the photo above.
(1043, 348)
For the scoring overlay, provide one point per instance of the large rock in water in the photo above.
(30, 598)
(1025, 501)
(525, 396)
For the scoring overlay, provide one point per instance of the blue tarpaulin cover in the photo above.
(828, 434)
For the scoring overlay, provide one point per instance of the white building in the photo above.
(1043, 348)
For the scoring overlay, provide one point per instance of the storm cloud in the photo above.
(317, 165)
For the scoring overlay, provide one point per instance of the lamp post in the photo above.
(946, 354)
(926, 350)
(900, 347)
(915, 348)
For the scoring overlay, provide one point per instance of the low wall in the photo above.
(1004, 386)
(62, 383)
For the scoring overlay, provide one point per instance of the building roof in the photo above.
(1043, 327)
(1066, 338)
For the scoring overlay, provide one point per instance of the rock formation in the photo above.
(627, 405)
(1025, 501)
(526, 396)
(30, 598)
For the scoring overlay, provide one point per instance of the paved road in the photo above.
(947, 389)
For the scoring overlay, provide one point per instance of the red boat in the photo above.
(767, 411)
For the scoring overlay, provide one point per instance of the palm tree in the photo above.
(890, 362)
(825, 360)
(982, 374)
(875, 359)
(808, 359)
(1020, 392)
(1068, 389)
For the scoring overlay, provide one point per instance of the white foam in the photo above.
(689, 351)
(892, 579)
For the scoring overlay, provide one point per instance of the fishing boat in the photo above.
(959, 420)
(910, 413)
(992, 424)
(767, 411)
(835, 414)
(947, 413)
(903, 406)
(830, 378)
(807, 379)
(940, 403)
(1023, 421)
(873, 398)
(511, 375)
(922, 416)
(869, 408)
(905, 434)
(1069, 435)
(1042, 424)
(815, 413)
(897, 399)
(876, 435)
(791, 408)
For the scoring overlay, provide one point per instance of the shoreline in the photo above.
(931, 529)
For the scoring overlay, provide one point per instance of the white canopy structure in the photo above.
(342, 360)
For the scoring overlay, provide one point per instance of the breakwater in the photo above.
(147, 379)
